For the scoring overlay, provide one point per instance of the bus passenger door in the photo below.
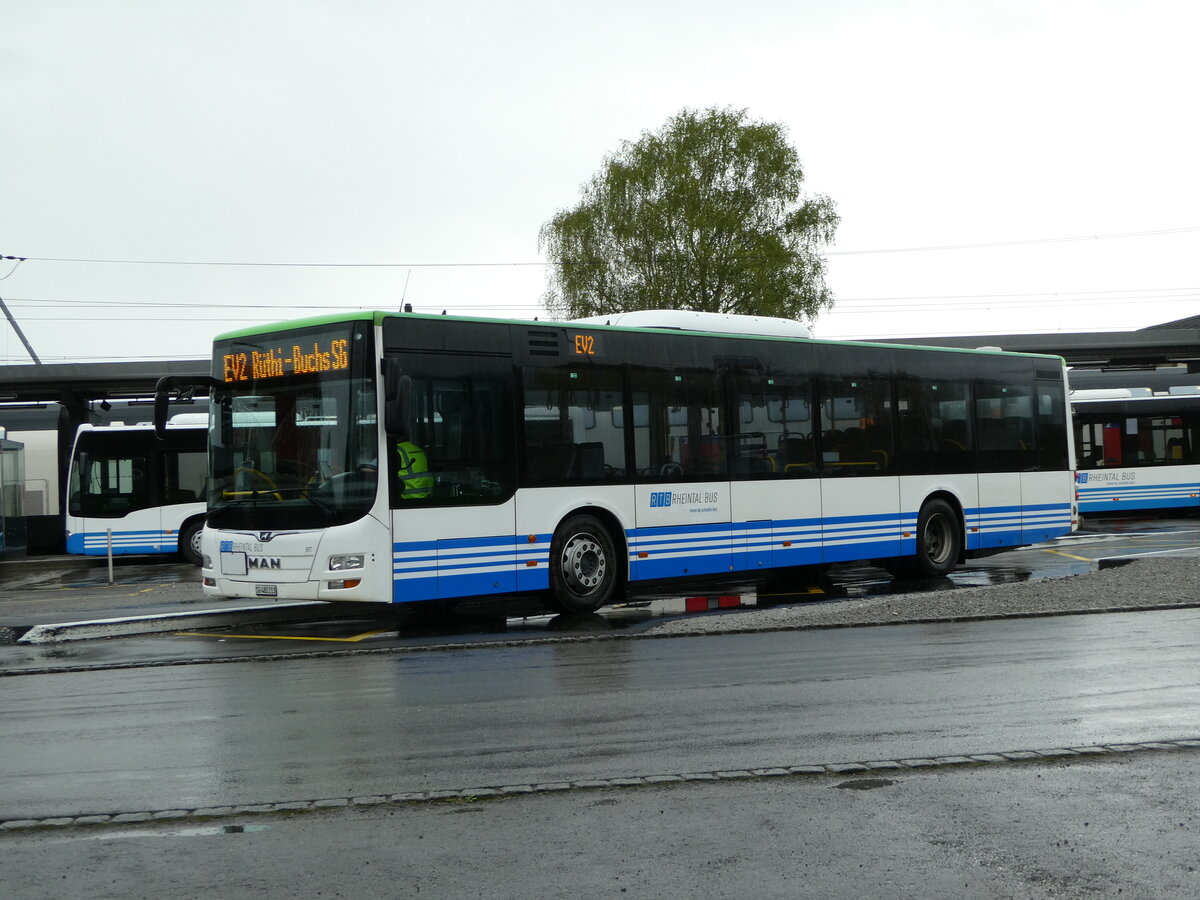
(1004, 438)
(453, 479)
(1049, 490)
(681, 452)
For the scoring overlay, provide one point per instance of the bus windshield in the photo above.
(294, 440)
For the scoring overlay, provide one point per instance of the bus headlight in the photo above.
(346, 561)
(207, 563)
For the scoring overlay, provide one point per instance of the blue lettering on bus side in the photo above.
(660, 498)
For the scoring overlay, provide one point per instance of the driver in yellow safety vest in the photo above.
(415, 481)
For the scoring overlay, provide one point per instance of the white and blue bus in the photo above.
(130, 493)
(1138, 451)
(402, 458)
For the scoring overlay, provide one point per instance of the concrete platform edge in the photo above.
(161, 622)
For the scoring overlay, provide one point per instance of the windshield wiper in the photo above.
(324, 507)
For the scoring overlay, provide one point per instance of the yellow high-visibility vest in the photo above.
(415, 481)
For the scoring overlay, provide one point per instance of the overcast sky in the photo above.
(416, 142)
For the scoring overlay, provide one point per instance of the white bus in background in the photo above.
(1138, 451)
(135, 493)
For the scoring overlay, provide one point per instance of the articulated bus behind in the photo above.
(1137, 453)
(135, 493)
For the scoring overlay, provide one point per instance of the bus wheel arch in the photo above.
(587, 556)
(189, 540)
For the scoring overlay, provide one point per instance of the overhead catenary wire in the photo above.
(448, 265)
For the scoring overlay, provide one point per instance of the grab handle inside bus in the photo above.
(397, 399)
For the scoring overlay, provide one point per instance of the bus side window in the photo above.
(776, 424)
(683, 437)
(858, 423)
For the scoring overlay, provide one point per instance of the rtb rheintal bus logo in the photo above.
(660, 498)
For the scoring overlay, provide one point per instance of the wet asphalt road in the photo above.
(77, 588)
(273, 731)
(176, 737)
(1122, 826)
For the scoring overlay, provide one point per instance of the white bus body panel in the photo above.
(1048, 505)
(294, 565)
(442, 552)
(681, 529)
(864, 520)
(778, 523)
(151, 530)
(1116, 489)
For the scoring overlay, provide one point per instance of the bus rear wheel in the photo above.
(939, 544)
(189, 541)
(583, 565)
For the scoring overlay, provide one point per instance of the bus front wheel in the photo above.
(189, 541)
(583, 565)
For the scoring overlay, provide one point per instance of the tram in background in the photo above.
(129, 492)
(430, 458)
(1138, 444)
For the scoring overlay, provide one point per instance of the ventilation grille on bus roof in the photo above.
(543, 343)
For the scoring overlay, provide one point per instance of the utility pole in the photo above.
(12, 321)
(20, 333)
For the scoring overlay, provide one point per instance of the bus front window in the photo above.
(293, 453)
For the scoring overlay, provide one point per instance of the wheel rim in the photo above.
(937, 539)
(583, 564)
(195, 541)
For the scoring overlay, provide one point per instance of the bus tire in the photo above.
(939, 544)
(583, 565)
(939, 539)
(189, 541)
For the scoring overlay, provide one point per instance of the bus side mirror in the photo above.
(162, 402)
(397, 400)
(186, 385)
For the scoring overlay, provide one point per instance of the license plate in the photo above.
(266, 590)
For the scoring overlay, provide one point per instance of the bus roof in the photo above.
(377, 316)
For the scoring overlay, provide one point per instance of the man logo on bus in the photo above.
(660, 498)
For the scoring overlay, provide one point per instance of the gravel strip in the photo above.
(1141, 584)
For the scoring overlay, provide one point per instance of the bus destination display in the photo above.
(587, 345)
(329, 355)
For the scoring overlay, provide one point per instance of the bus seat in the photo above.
(991, 434)
(792, 450)
(914, 433)
(587, 462)
(954, 435)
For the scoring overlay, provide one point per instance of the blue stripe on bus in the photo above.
(95, 543)
(1109, 498)
(424, 570)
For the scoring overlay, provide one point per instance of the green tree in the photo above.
(705, 214)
